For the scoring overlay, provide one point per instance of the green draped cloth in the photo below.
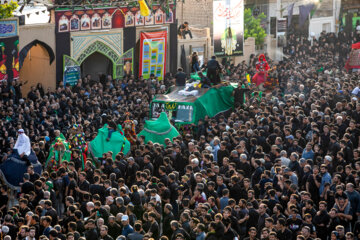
(117, 143)
(157, 131)
(66, 155)
(195, 76)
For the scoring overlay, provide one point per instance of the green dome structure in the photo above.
(117, 143)
(158, 130)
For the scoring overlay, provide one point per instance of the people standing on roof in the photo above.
(213, 70)
(195, 67)
(180, 77)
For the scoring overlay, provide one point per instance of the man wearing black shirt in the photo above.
(72, 185)
(167, 218)
(154, 227)
(213, 68)
(253, 215)
(91, 232)
(76, 159)
(33, 175)
(180, 78)
(321, 220)
(173, 187)
(283, 233)
(27, 186)
(252, 234)
(148, 165)
(97, 188)
(313, 184)
(132, 168)
(293, 222)
(222, 153)
(277, 213)
(239, 95)
(83, 187)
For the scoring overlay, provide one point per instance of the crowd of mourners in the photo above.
(285, 165)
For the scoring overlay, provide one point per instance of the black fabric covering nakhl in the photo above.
(62, 48)
(183, 59)
(129, 38)
(173, 48)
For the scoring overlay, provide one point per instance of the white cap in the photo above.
(21, 130)
(209, 148)
(5, 229)
(124, 218)
(327, 157)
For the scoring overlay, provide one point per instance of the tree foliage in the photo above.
(253, 27)
(6, 10)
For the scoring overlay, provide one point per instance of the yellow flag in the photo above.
(248, 78)
(144, 9)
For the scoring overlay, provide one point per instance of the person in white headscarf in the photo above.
(22, 144)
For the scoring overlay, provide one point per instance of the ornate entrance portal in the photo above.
(101, 56)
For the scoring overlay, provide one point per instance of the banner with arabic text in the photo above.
(228, 27)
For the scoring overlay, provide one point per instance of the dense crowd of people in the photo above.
(283, 165)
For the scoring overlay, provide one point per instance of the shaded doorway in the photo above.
(36, 67)
(97, 65)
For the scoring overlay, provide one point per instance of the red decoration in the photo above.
(118, 19)
(356, 46)
(261, 67)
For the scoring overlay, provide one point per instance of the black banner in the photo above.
(62, 48)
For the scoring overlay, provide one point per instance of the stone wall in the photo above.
(249, 48)
(197, 12)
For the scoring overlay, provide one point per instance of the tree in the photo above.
(253, 27)
(6, 10)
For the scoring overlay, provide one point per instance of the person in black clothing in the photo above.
(104, 233)
(253, 216)
(27, 186)
(213, 68)
(183, 30)
(91, 232)
(175, 226)
(283, 233)
(180, 77)
(205, 82)
(239, 95)
(194, 62)
(167, 218)
(83, 186)
(50, 211)
(252, 234)
(154, 227)
(235, 190)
